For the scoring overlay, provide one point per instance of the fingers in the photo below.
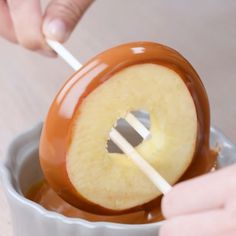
(27, 19)
(6, 25)
(21, 21)
(214, 223)
(200, 194)
(62, 16)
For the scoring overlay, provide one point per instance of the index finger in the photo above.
(203, 193)
(210, 223)
(27, 19)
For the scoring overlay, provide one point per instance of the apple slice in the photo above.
(112, 180)
(138, 76)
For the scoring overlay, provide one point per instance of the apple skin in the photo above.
(57, 130)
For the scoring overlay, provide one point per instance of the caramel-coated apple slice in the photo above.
(73, 148)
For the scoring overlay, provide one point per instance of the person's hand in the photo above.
(23, 22)
(204, 206)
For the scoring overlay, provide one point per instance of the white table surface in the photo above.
(203, 31)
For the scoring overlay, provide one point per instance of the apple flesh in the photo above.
(137, 76)
(111, 180)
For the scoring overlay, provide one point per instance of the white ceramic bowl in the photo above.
(21, 170)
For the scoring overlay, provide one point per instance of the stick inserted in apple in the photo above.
(73, 147)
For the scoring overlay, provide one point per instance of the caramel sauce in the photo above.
(44, 195)
(58, 128)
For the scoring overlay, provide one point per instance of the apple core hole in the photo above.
(128, 132)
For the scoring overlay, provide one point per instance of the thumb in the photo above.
(62, 16)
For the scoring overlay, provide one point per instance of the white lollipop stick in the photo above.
(143, 165)
(138, 126)
(116, 137)
(64, 54)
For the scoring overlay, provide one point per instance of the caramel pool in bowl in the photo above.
(45, 196)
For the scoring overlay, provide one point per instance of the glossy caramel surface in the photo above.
(58, 127)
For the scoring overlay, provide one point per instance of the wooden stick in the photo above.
(142, 164)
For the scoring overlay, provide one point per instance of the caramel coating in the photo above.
(57, 130)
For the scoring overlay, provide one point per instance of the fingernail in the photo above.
(56, 30)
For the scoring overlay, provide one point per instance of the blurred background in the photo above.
(203, 31)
